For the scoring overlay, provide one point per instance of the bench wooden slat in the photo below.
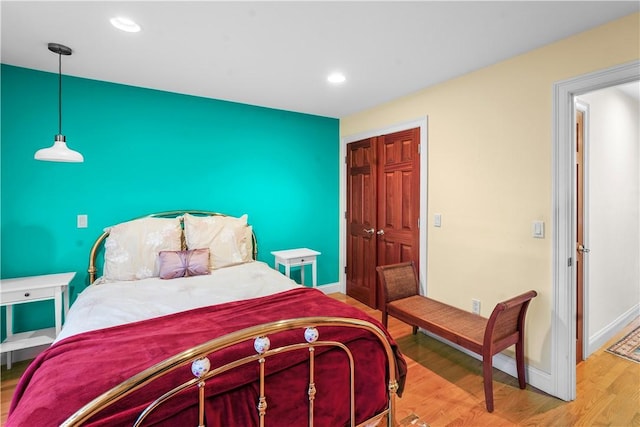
(463, 328)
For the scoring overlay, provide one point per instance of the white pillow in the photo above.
(229, 239)
(132, 248)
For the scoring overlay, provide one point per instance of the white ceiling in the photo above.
(278, 54)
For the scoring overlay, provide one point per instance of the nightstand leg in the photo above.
(302, 274)
(9, 317)
(65, 300)
(314, 273)
(57, 304)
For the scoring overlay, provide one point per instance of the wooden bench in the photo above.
(401, 299)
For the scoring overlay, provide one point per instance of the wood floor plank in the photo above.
(8, 382)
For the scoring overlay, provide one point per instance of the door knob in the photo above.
(583, 249)
(369, 231)
(380, 232)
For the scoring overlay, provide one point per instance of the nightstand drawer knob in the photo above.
(27, 294)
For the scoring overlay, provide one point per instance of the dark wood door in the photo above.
(398, 197)
(361, 220)
(383, 208)
(579, 235)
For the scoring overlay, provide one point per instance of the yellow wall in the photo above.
(489, 171)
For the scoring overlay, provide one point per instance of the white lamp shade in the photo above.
(59, 152)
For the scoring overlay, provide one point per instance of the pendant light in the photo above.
(59, 152)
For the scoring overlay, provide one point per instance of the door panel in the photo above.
(399, 197)
(361, 216)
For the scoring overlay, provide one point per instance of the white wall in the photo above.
(613, 214)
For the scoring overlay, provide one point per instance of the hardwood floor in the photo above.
(444, 388)
(8, 381)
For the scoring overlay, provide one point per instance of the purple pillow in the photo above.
(175, 264)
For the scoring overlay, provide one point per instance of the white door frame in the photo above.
(563, 323)
(417, 123)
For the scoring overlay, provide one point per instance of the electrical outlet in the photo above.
(475, 306)
(82, 221)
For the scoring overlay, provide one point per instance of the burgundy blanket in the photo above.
(75, 370)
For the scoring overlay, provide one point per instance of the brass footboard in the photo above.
(201, 368)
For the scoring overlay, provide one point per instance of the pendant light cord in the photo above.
(59, 93)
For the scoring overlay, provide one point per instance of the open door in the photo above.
(580, 248)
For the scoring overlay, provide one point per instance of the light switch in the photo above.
(83, 221)
(437, 220)
(538, 229)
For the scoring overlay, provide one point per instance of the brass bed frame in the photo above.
(197, 356)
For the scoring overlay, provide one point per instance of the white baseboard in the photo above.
(330, 288)
(535, 377)
(601, 337)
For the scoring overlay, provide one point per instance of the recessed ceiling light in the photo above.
(125, 24)
(336, 78)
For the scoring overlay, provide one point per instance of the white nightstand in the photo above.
(30, 289)
(297, 258)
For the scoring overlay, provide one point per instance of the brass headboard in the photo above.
(168, 214)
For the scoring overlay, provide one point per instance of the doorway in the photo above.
(383, 208)
(610, 246)
(563, 328)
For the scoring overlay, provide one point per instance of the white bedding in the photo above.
(110, 304)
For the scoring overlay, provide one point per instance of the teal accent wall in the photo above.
(147, 151)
